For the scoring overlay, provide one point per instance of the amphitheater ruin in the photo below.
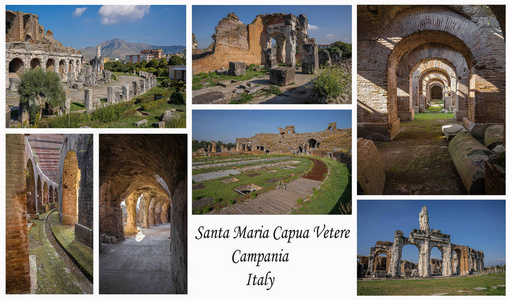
(49, 214)
(28, 46)
(269, 172)
(455, 259)
(425, 72)
(279, 42)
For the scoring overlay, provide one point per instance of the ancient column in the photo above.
(142, 86)
(447, 260)
(88, 100)
(396, 254)
(125, 91)
(111, 94)
(424, 259)
(135, 88)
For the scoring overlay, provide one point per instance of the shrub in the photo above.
(332, 82)
(178, 98)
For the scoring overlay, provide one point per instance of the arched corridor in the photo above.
(143, 214)
(422, 69)
(56, 258)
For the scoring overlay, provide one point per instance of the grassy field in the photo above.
(212, 78)
(334, 195)
(439, 286)
(224, 194)
(238, 166)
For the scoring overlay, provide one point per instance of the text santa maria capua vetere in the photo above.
(279, 233)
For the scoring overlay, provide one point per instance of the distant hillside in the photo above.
(118, 48)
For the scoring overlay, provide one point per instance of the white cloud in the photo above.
(111, 14)
(79, 11)
(330, 35)
(312, 27)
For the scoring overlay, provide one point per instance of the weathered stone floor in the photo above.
(136, 265)
(417, 161)
(53, 271)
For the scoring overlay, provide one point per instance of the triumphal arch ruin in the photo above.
(253, 43)
(456, 259)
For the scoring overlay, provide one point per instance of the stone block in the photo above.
(13, 83)
(494, 136)
(371, 176)
(141, 123)
(469, 157)
(169, 115)
(270, 58)
(77, 86)
(310, 60)
(236, 68)
(282, 76)
(324, 58)
(111, 94)
(451, 130)
(160, 124)
(88, 94)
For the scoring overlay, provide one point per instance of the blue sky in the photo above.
(330, 23)
(479, 224)
(227, 125)
(88, 25)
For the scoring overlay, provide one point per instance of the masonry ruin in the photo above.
(48, 175)
(142, 209)
(28, 46)
(252, 44)
(444, 61)
(407, 52)
(455, 259)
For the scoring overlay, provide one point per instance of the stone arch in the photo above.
(277, 41)
(50, 65)
(410, 268)
(45, 193)
(382, 263)
(16, 66)
(430, 25)
(30, 188)
(35, 63)
(312, 144)
(39, 194)
(50, 195)
(70, 189)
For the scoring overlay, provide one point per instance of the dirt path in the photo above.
(417, 161)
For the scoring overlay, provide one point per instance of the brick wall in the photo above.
(17, 261)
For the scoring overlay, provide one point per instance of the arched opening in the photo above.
(381, 265)
(28, 38)
(39, 194)
(278, 42)
(409, 263)
(436, 92)
(456, 262)
(35, 63)
(50, 196)
(45, 193)
(436, 262)
(50, 65)
(61, 68)
(70, 189)
(16, 66)
(30, 188)
(312, 144)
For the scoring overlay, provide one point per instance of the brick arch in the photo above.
(31, 188)
(35, 63)
(50, 65)
(16, 65)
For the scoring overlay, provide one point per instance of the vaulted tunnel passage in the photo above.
(143, 214)
(421, 68)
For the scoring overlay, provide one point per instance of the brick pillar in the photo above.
(17, 262)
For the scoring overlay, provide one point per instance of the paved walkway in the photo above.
(282, 200)
(138, 265)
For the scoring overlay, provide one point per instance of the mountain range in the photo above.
(118, 48)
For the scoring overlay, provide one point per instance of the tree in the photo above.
(163, 63)
(38, 88)
(176, 60)
(153, 63)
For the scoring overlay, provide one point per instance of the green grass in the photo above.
(75, 106)
(51, 275)
(333, 193)
(81, 252)
(223, 193)
(212, 78)
(450, 286)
